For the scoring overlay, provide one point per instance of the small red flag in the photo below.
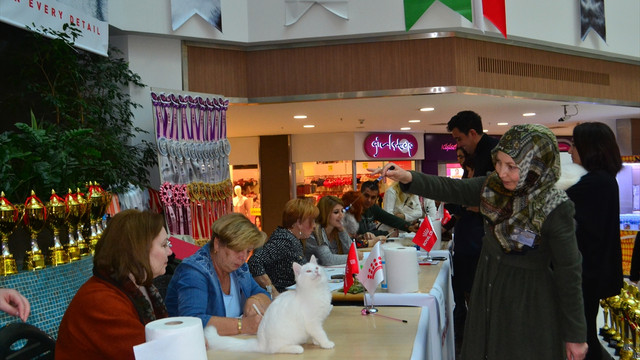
(425, 237)
(352, 267)
(445, 217)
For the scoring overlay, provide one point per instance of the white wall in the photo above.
(244, 150)
(548, 22)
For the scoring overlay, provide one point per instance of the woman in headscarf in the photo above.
(526, 297)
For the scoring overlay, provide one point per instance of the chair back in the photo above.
(30, 343)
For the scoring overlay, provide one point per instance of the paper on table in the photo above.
(333, 283)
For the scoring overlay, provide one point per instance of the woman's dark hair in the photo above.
(596, 144)
(125, 244)
(353, 200)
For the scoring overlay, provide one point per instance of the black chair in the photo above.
(37, 343)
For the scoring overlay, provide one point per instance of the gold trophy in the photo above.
(74, 214)
(57, 217)
(95, 198)
(35, 218)
(78, 214)
(9, 220)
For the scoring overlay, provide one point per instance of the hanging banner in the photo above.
(183, 10)
(294, 9)
(592, 17)
(89, 17)
(414, 9)
(494, 10)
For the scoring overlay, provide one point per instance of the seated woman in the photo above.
(215, 285)
(107, 316)
(329, 242)
(352, 217)
(271, 265)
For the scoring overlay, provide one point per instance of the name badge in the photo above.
(526, 237)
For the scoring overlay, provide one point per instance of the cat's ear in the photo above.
(296, 268)
(313, 260)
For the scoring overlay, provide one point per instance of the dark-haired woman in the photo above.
(597, 218)
(107, 316)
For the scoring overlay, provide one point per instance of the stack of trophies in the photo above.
(621, 328)
(76, 217)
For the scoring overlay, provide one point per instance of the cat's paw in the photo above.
(291, 349)
(328, 344)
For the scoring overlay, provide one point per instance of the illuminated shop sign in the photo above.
(390, 145)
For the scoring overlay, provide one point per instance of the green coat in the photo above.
(522, 306)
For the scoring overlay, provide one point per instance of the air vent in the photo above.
(517, 68)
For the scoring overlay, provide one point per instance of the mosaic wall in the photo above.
(49, 292)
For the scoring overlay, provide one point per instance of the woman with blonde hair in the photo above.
(215, 284)
(329, 242)
(271, 265)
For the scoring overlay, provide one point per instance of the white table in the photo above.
(437, 311)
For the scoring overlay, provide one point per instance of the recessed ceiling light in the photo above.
(414, 121)
(529, 114)
(502, 124)
(308, 126)
(427, 109)
(405, 128)
(300, 116)
(485, 131)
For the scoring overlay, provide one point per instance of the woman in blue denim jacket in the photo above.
(215, 284)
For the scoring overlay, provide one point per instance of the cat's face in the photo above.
(309, 273)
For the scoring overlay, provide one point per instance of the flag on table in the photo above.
(352, 267)
(372, 274)
(425, 237)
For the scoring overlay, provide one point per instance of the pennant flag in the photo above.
(445, 217)
(351, 268)
(426, 237)
(414, 9)
(372, 274)
(592, 17)
(495, 11)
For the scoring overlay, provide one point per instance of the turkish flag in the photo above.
(425, 237)
(495, 11)
(352, 267)
(445, 217)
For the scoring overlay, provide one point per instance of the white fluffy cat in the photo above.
(291, 320)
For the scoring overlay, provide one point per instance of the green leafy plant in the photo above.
(81, 125)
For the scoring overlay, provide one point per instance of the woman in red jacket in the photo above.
(107, 316)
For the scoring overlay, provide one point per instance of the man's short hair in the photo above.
(371, 185)
(465, 121)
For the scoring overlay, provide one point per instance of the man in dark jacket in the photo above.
(373, 212)
(466, 129)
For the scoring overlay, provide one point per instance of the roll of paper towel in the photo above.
(173, 338)
(402, 269)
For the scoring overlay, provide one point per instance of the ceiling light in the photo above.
(427, 109)
(414, 121)
(405, 128)
(502, 124)
(308, 126)
(529, 114)
(300, 116)
(485, 131)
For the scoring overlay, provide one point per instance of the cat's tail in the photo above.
(229, 343)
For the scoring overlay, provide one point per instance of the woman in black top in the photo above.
(597, 216)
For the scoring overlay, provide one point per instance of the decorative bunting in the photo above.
(295, 9)
(183, 10)
(494, 10)
(592, 17)
(414, 9)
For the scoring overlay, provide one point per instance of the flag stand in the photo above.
(369, 309)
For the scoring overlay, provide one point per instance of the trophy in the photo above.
(96, 210)
(9, 220)
(628, 305)
(77, 206)
(57, 217)
(35, 218)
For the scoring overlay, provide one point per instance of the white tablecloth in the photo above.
(437, 314)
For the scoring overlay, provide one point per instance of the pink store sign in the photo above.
(390, 145)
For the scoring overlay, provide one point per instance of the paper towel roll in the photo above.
(402, 269)
(173, 338)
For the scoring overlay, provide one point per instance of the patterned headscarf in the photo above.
(521, 212)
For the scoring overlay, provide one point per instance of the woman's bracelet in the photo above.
(239, 325)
